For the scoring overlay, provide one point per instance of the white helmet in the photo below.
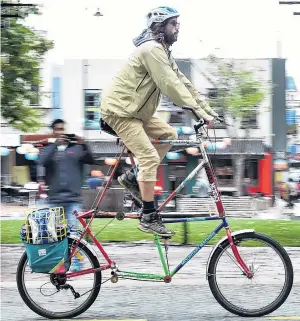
(160, 14)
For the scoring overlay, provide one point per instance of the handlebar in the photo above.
(192, 110)
(201, 122)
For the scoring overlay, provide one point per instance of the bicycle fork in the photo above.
(237, 256)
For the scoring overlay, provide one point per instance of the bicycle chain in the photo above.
(166, 254)
(137, 279)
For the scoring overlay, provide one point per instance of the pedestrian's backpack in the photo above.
(44, 235)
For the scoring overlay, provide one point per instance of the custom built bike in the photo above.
(235, 266)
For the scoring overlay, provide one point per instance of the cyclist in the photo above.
(129, 104)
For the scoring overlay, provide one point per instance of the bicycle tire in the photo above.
(59, 315)
(270, 307)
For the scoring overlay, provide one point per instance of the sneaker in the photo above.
(152, 223)
(128, 181)
(75, 266)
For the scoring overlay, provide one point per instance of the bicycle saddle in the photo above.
(106, 128)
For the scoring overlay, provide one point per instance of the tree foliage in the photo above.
(239, 92)
(22, 51)
(237, 95)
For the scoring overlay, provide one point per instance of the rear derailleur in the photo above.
(59, 281)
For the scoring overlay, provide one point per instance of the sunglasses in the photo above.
(174, 23)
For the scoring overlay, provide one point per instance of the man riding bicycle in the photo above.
(129, 104)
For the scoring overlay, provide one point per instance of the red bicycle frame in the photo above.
(205, 163)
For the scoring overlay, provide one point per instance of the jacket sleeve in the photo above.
(46, 155)
(87, 156)
(159, 68)
(200, 101)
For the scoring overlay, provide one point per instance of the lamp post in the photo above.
(98, 13)
(291, 3)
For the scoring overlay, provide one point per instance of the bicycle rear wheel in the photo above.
(231, 287)
(40, 294)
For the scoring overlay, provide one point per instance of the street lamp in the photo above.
(290, 3)
(98, 13)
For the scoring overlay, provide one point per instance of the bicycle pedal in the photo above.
(120, 216)
(165, 237)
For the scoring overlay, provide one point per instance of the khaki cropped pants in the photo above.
(135, 135)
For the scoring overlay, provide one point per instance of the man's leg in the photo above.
(72, 228)
(133, 135)
(71, 218)
(73, 223)
(155, 128)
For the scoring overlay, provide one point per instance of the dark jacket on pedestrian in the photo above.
(64, 171)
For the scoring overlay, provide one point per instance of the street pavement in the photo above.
(186, 298)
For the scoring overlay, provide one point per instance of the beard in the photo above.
(171, 38)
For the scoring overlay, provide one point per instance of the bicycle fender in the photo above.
(223, 240)
(76, 237)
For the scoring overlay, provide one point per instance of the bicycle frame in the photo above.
(167, 276)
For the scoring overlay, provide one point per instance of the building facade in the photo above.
(293, 127)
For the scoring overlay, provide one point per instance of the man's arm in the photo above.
(201, 102)
(159, 68)
(46, 155)
(87, 156)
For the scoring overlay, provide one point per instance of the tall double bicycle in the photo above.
(241, 264)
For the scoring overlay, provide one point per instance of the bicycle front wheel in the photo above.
(270, 285)
(40, 293)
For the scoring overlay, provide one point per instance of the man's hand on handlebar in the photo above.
(210, 123)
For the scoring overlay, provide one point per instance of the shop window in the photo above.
(92, 102)
(92, 97)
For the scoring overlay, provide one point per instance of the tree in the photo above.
(237, 95)
(22, 51)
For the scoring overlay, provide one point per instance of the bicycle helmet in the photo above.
(160, 14)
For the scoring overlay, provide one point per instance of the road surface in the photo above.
(187, 298)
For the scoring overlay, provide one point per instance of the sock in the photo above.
(148, 207)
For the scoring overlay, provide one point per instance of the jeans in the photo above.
(73, 223)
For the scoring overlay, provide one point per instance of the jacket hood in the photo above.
(145, 36)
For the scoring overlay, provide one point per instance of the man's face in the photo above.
(59, 129)
(171, 31)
